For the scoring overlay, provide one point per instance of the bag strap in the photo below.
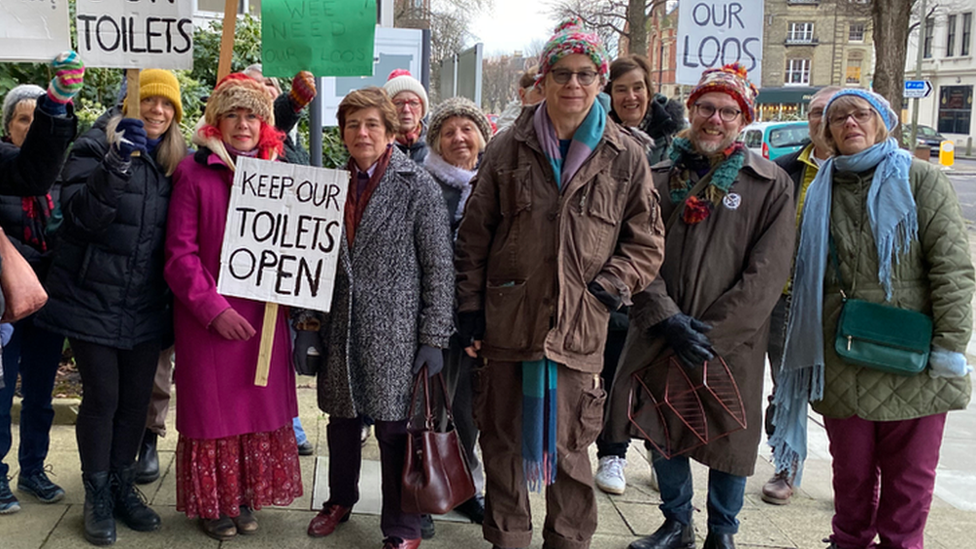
(699, 187)
(428, 412)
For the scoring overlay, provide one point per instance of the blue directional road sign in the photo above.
(917, 89)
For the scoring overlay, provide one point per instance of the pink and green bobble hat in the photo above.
(572, 37)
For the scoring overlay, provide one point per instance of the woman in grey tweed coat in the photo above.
(392, 311)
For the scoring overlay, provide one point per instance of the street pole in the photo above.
(315, 125)
(918, 73)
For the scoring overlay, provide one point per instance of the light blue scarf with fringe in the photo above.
(894, 222)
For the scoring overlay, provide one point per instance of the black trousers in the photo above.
(117, 385)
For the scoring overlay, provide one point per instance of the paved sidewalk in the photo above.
(802, 524)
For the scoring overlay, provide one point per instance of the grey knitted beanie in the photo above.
(457, 106)
(23, 92)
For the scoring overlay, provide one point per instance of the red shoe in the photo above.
(397, 543)
(328, 518)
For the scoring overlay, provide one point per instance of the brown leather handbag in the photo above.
(22, 292)
(436, 475)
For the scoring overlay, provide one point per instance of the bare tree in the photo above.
(615, 21)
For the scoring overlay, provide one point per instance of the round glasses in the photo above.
(707, 111)
(562, 76)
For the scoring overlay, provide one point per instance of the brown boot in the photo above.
(779, 489)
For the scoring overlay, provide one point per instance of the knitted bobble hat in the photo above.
(572, 37)
(457, 106)
(401, 80)
(877, 102)
(730, 79)
(239, 91)
(24, 92)
(160, 83)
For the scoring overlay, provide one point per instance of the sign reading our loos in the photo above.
(136, 34)
(715, 33)
(281, 241)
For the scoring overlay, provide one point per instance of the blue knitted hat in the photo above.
(877, 102)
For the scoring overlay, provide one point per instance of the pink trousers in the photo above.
(884, 477)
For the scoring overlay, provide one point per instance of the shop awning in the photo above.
(785, 94)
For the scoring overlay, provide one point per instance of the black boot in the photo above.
(99, 523)
(130, 504)
(719, 541)
(671, 535)
(147, 468)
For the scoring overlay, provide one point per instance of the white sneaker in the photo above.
(610, 475)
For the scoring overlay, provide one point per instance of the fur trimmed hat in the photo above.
(572, 37)
(730, 79)
(457, 106)
(239, 91)
(23, 92)
(401, 80)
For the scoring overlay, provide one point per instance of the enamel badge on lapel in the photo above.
(732, 201)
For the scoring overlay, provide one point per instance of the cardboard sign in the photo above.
(33, 30)
(714, 33)
(326, 37)
(281, 241)
(136, 34)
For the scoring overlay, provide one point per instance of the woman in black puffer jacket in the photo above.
(107, 292)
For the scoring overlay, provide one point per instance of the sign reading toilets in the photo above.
(283, 231)
(714, 33)
(33, 30)
(136, 34)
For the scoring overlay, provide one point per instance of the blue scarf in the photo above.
(539, 377)
(894, 222)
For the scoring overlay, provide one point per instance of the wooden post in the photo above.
(267, 340)
(132, 96)
(227, 39)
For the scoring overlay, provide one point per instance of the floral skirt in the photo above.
(217, 476)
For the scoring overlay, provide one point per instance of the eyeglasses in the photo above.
(412, 103)
(706, 111)
(815, 115)
(860, 116)
(562, 76)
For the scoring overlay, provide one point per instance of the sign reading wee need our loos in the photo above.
(136, 34)
(281, 241)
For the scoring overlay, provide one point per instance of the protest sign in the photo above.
(281, 241)
(33, 30)
(136, 34)
(713, 33)
(325, 37)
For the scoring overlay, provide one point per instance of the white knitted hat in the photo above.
(401, 80)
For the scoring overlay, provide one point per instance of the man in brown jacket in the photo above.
(728, 253)
(562, 227)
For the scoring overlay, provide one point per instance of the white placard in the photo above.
(33, 30)
(281, 241)
(136, 34)
(713, 33)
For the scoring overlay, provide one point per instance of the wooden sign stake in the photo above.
(267, 341)
(132, 96)
(227, 39)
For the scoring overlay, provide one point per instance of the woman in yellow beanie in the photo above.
(108, 295)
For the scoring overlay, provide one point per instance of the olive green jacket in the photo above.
(935, 277)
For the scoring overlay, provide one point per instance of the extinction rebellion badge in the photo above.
(732, 201)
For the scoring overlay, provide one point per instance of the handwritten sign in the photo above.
(33, 30)
(326, 37)
(281, 241)
(136, 34)
(713, 33)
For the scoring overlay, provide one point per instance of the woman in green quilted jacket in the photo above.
(881, 227)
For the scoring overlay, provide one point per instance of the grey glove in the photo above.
(686, 336)
(432, 357)
(307, 354)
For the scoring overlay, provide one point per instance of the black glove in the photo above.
(686, 336)
(132, 138)
(432, 357)
(307, 353)
(471, 327)
(612, 302)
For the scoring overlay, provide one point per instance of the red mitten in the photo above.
(302, 90)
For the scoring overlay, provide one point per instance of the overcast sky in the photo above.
(512, 25)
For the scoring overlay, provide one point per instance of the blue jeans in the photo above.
(725, 494)
(300, 436)
(34, 354)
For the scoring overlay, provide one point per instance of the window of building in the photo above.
(955, 109)
(800, 32)
(927, 41)
(967, 31)
(853, 71)
(951, 36)
(856, 33)
(797, 72)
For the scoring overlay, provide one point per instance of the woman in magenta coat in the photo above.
(236, 451)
